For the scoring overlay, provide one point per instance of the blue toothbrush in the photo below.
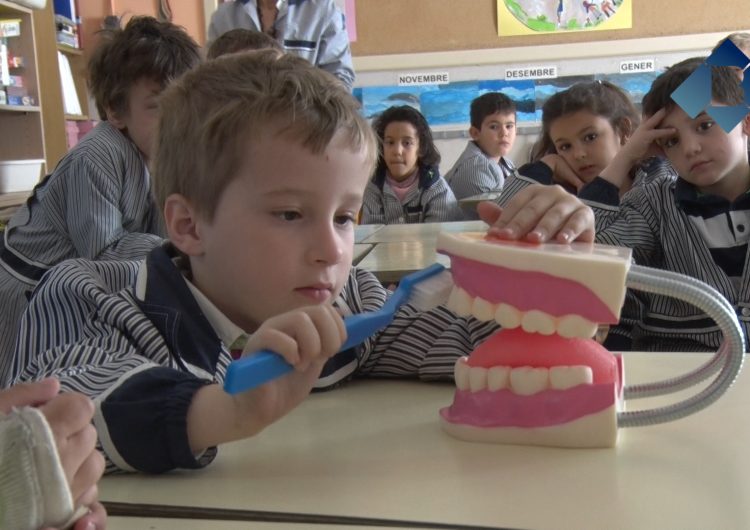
(254, 370)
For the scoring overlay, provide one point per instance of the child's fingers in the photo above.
(564, 220)
(578, 227)
(28, 394)
(83, 485)
(330, 333)
(96, 517)
(523, 215)
(489, 212)
(275, 340)
(67, 414)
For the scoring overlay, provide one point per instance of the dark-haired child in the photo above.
(407, 186)
(484, 165)
(97, 203)
(240, 40)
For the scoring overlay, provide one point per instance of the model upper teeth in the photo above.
(532, 321)
(522, 380)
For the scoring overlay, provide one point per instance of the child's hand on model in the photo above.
(562, 173)
(539, 214)
(306, 338)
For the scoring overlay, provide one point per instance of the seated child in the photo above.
(407, 186)
(260, 185)
(97, 203)
(698, 225)
(239, 40)
(583, 128)
(484, 166)
(49, 460)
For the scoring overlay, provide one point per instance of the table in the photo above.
(360, 251)
(424, 232)
(390, 262)
(469, 204)
(374, 448)
(362, 232)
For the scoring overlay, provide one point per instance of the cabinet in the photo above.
(35, 131)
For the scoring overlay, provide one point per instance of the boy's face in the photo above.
(705, 155)
(586, 141)
(283, 233)
(496, 135)
(140, 120)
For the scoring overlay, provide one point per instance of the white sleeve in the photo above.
(34, 492)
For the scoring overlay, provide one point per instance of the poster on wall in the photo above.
(534, 17)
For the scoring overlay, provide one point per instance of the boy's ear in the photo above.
(114, 118)
(474, 132)
(181, 220)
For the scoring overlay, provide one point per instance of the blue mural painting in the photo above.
(448, 104)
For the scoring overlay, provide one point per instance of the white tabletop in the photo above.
(389, 262)
(374, 448)
(424, 232)
(362, 232)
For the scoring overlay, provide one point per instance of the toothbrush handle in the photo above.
(261, 367)
(254, 370)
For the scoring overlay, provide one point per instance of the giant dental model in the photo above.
(542, 379)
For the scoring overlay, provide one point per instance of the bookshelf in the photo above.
(36, 131)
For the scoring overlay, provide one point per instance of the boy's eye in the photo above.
(590, 137)
(706, 125)
(510, 126)
(344, 219)
(494, 127)
(288, 215)
(667, 143)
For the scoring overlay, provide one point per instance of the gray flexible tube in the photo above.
(727, 361)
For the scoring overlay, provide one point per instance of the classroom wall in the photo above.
(413, 26)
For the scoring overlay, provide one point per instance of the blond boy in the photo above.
(261, 164)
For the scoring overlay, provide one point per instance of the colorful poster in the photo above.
(533, 17)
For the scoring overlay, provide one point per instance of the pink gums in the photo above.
(529, 290)
(503, 408)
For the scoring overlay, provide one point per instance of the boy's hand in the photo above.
(69, 416)
(643, 144)
(562, 173)
(539, 214)
(306, 338)
(28, 394)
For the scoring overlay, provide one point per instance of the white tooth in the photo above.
(498, 377)
(564, 377)
(477, 378)
(461, 374)
(460, 302)
(507, 316)
(527, 380)
(536, 321)
(483, 310)
(571, 326)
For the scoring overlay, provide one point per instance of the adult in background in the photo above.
(312, 29)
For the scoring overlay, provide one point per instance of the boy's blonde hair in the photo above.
(740, 39)
(211, 114)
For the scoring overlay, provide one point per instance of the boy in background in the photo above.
(97, 204)
(261, 165)
(484, 166)
(240, 40)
